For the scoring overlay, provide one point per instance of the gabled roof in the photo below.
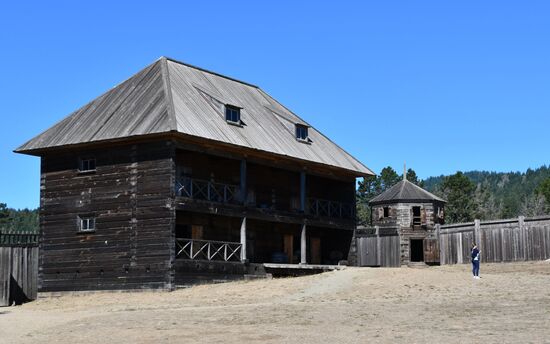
(173, 97)
(405, 191)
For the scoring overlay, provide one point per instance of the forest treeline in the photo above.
(472, 195)
(24, 220)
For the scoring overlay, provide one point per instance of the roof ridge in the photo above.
(168, 89)
(207, 71)
(404, 182)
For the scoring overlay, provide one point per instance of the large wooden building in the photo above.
(180, 174)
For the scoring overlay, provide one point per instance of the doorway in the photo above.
(416, 250)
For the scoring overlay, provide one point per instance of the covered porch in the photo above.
(217, 238)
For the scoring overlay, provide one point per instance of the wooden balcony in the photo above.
(326, 208)
(208, 250)
(207, 191)
(228, 194)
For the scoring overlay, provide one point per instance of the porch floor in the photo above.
(295, 270)
(304, 266)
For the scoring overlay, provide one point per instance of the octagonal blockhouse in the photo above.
(414, 212)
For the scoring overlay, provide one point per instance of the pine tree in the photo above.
(413, 178)
(459, 191)
(544, 190)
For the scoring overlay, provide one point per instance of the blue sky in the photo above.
(442, 85)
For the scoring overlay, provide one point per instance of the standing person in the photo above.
(475, 261)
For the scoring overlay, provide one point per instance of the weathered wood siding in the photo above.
(402, 214)
(18, 274)
(511, 240)
(131, 196)
(379, 249)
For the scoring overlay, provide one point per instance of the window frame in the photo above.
(90, 221)
(82, 161)
(232, 110)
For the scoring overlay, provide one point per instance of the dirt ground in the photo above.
(510, 304)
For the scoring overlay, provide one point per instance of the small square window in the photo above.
(86, 164)
(301, 132)
(232, 114)
(386, 211)
(86, 223)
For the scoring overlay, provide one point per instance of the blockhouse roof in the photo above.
(405, 191)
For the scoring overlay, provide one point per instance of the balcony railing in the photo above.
(327, 208)
(207, 191)
(208, 250)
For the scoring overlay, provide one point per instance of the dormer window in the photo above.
(232, 114)
(301, 132)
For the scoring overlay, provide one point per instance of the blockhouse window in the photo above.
(386, 211)
(232, 114)
(86, 223)
(301, 132)
(86, 164)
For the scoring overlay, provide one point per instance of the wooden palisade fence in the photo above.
(380, 247)
(18, 267)
(511, 240)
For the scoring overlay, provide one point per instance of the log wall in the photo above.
(521, 239)
(130, 194)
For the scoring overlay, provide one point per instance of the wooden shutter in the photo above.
(423, 216)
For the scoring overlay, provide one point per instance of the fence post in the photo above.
(378, 253)
(438, 241)
(477, 233)
(523, 233)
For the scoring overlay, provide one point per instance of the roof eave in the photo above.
(170, 134)
(393, 201)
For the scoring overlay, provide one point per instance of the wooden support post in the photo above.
(303, 191)
(303, 246)
(243, 240)
(244, 191)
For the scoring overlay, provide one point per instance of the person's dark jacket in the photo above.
(475, 252)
